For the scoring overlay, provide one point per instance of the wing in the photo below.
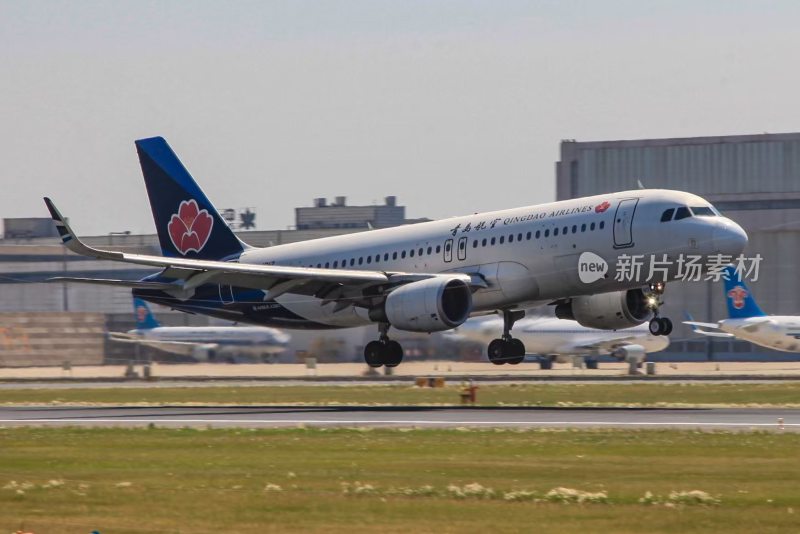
(698, 327)
(275, 280)
(605, 345)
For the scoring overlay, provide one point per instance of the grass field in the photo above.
(70, 480)
(617, 394)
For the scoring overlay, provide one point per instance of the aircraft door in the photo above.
(623, 223)
(226, 294)
(462, 248)
(448, 251)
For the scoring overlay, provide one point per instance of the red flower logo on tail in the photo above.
(600, 208)
(737, 295)
(190, 228)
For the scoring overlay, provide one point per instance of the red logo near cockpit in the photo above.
(190, 228)
(737, 296)
(600, 208)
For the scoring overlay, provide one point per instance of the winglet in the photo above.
(71, 241)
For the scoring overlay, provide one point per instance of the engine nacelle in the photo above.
(430, 305)
(607, 311)
(631, 354)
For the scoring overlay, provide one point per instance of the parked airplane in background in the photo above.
(425, 277)
(551, 338)
(747, 321)
(222, 343)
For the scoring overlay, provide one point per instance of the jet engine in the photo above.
(607, 311)
(430, 305)
(631, 354)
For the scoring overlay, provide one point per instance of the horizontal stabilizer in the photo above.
(697, 327)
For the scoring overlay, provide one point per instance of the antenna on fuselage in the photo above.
(640, 184)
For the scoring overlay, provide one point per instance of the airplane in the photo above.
(552, 339)
(747, 321)
(226, 343)
(424, 277)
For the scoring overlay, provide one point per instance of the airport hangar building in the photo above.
(753, 179)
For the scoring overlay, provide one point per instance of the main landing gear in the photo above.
(659, 326)
(507, 349)
(384, 351)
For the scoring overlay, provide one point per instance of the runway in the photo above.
(778, 419)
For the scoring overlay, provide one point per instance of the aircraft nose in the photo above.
(730, 238)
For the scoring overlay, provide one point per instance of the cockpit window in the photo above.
(682, 213)
(667, 215)
(703, 211)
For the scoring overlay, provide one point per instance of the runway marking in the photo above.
(394, 422)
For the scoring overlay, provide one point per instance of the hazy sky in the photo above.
(453, 106)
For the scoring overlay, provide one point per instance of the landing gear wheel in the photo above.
(655, 327)
(516, 351)
(393, 354)
(497, 351)
(374, 353)
(666, 326)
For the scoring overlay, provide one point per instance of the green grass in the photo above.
(635, 394)
(204, 481)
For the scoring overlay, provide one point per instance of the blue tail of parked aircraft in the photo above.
(145, 320)
(740, 301)
(187, 223)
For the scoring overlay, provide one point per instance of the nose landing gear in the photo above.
(384, 351)
(507, 349)
(659, 326)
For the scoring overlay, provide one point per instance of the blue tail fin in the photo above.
(187, 223)
(741, 303)
(144, 317)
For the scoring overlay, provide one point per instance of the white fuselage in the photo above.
(246, 336)
(526, 256)
(558, 337)
(779, 332)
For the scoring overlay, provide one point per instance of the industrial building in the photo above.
(753, 179)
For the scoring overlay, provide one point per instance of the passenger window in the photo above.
(352, 261)
(319, 265)
(538, 233)
(511, 238)
(394, 255)
(361, 260)
(493, 241)
(430, 249)
(591, 227)
(528, 236)
(403, 254)
(369, 259)
(682, 213)
(502, 239)
(438, 248)
(547, 233)
(574, 228)
(566, 229)
(475, 244)
(420, 252)
(386, 257)
(335, 264)
(667, 215)
(519, 237)
(555, 231)
(602, 224)
(483, 243)
(583, 227)
(327, 264)
(411, 252)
